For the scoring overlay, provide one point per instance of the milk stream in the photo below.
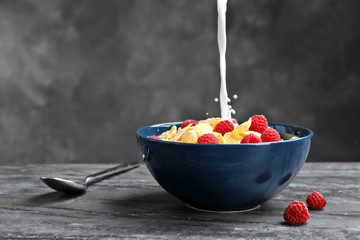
(221, 35)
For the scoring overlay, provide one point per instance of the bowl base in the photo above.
(224, 211)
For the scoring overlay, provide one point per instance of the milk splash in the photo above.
(226, 110)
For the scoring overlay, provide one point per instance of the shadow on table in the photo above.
(163, 202)
(51, 197)
(159, 200)
(161, 205)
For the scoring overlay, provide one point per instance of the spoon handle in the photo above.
(96, 177)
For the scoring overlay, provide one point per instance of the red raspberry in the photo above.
(224, 126)
(154, 137)
(259, 123)
(270, 135)
(296, 213)
(251, 138)
(208, 138)
(315, 200)
(189, 121)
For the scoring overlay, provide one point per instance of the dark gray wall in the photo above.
(77, 78)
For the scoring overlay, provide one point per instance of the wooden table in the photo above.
(134, 206)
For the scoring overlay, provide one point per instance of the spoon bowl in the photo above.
(63, 185)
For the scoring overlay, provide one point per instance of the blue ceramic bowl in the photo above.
(224, 177)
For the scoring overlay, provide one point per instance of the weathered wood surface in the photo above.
(134, 206)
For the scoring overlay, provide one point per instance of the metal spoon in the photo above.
(70, 187)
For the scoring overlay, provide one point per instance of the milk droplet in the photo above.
(216, 99)
(235, 96)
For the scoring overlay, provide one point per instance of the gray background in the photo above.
(77, 78)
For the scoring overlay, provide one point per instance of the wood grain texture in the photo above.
(134, 206)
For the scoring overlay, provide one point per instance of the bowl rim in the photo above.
(170, 124)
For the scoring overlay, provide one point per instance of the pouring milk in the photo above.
(221, 36)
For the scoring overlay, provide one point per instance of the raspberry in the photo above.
(296, 213)
(251, 138)
(270, 135)
(315, 200)
(208, 138)
(224, 127)
(154, 137)
(187, 122)
(259, 123)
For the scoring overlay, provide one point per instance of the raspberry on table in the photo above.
(189, 121)
(224, 127)
(316, 200)
(259, 123)
(208, 138)
(251, 138)
(296, 213)
(154, 137)
(270, 135)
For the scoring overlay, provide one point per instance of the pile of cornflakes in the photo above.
(220, 131)
(190, 133)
